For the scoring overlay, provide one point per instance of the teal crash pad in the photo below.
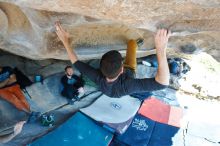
(79, 130)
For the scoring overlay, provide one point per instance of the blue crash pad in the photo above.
(79, 130)
(146, 132)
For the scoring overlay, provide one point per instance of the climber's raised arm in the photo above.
(64, 37)
(161, 40)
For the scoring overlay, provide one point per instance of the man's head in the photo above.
(111, 64)
(69, 70)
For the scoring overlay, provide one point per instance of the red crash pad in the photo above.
(161, 112)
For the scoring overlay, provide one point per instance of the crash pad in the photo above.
(78, 130)
(161, 112)
(146, 132)
(114, 112)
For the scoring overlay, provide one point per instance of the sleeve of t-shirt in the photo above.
(63, 81)
(79, 82)
(85, 69)
(142, 85)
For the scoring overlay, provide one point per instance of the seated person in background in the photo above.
(10, 90)
(72, 84)
(17, 129)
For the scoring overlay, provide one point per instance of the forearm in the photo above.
(79, 84)
(64, 37)
(71, 54)
(7, 138)
(4, 83)
(163, 74)
(12, 79)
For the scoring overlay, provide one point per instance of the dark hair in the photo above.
(111, 64)
(68, 66)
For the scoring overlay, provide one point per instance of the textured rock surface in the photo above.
(26, 27)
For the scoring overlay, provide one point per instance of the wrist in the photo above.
(161, 51)
(161, 55)
(66, 43)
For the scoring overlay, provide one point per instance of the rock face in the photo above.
(96, 26)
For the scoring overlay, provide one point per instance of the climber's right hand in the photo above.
(62, 34)
(161, 40)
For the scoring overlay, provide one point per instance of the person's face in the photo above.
(69, 72)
